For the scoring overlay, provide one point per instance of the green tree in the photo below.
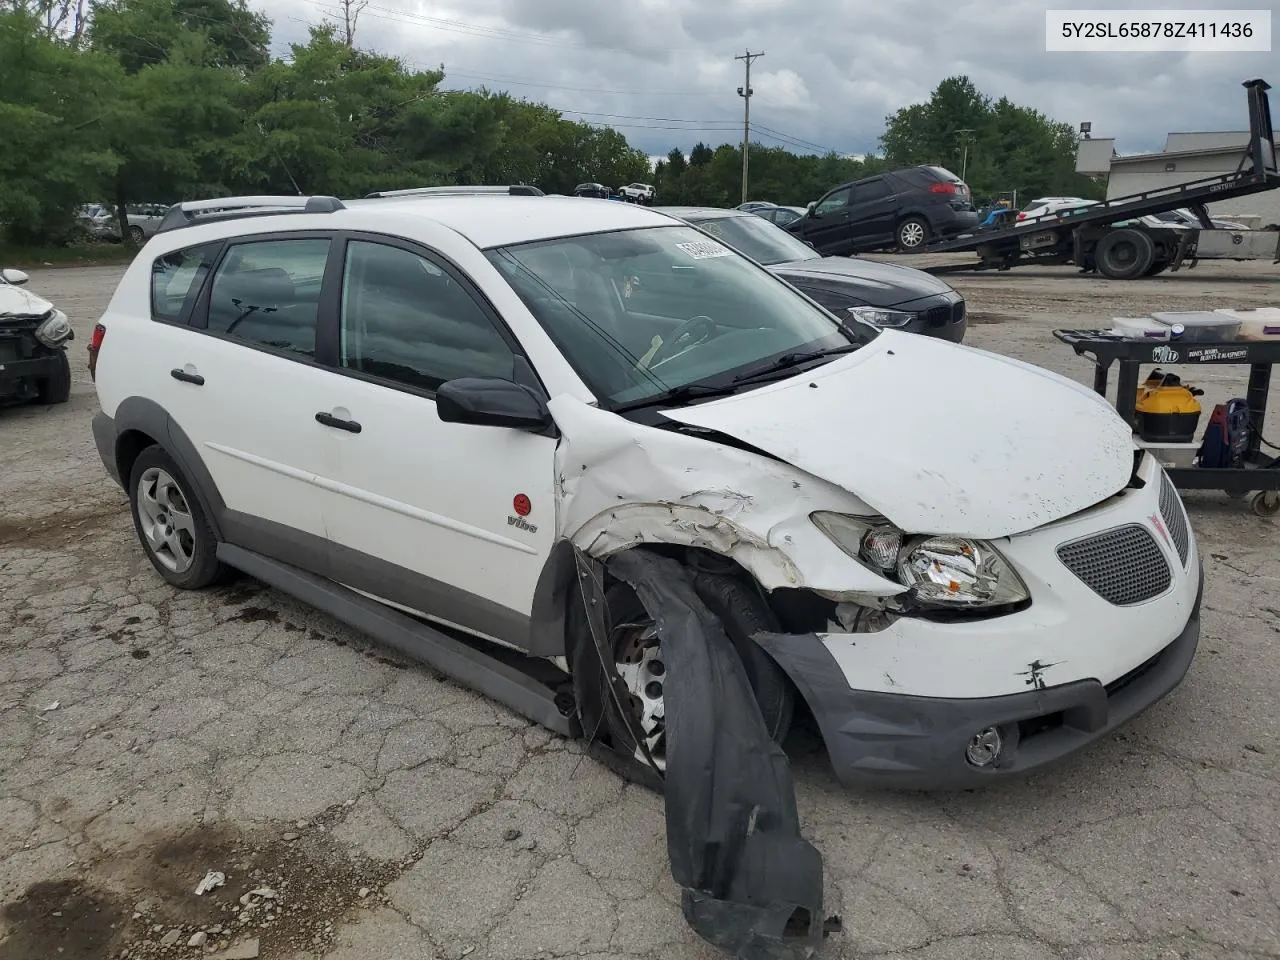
(142, 33)
(1009, 147)
(52, 104)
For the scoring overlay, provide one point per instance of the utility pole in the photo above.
(745, 92)
(964, 136)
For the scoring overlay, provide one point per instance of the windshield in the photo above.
(757, 238)
(639, 313)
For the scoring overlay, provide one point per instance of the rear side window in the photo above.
(176, 279)
(268, 293)
(870, 190)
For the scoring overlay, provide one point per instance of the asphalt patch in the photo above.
(66, 919)
(288, 889)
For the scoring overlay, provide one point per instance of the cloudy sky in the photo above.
(663, 71)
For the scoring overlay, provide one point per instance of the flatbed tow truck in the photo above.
(1111, 238)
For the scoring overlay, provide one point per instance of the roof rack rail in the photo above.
(511, 190)
(233, 208)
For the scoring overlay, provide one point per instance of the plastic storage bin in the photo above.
(1201, 325)
(1140, 328)
(1260, 324)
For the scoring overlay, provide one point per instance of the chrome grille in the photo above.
(1175, 518)
(1124, 566)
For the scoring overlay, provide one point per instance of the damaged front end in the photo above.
(752, 885)
(32, 336)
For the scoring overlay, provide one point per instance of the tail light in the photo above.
(95, 344)
(940, 187)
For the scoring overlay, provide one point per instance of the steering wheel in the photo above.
(672, 344)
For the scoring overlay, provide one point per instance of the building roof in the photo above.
(1233, 149)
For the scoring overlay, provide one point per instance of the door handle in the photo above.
(179, 374)
(329, 420)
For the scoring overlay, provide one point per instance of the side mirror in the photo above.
(809, 208)
(15, 277)
(490, 402)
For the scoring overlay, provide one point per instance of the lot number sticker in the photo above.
(703, 249)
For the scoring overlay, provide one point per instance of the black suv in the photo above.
(906, 209)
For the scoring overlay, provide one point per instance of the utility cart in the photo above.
(1257, 472)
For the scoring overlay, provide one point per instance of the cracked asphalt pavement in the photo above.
(359, 807)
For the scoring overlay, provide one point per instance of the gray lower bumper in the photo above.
(104, 438)
(877, 739)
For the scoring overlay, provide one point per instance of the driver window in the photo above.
(404, 319)
(833, 203)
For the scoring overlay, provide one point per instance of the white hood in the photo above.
(937, 438)
(17, 302)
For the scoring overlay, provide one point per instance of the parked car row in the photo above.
(97, 221)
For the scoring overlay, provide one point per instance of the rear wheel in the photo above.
(170, 522)
(638, 658)
(56, 388)
(913, 235)
(1125, 254)
(137, 236)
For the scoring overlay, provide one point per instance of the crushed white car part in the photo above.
(752, 885)
(620, 484)
(875, 421)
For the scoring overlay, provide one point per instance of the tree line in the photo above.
(154, 101)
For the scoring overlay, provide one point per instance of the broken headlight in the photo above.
(880, 317)
(939, 572)
(54, 330)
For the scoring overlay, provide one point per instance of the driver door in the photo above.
(452, 520)
(828, 228)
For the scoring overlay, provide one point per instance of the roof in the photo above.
(496, 221)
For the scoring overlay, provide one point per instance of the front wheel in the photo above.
(636, 649)
(56, 388)
(913, 235)
(170, 522)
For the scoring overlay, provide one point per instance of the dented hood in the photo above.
(936, 437)
(17, 303)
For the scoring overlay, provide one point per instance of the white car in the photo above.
(638, 192)
(596, 436)
(1044, 206)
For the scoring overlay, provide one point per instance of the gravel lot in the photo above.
(147, 737)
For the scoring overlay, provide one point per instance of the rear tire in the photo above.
(137, 236)
(171, 524)
(913, 235)
(1125, 254)
(56, 388)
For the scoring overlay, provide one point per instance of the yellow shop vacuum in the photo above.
(1167, 410)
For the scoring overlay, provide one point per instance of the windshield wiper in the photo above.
(789, 360)
(689, 391)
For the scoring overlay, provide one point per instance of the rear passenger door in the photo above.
(871, 213)
(451, 520)
(246, 385)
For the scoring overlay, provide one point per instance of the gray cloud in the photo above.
(663, 73)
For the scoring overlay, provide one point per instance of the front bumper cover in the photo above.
(879, 739)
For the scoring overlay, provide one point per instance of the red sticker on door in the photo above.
(522, 505)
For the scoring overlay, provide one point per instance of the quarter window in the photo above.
(177, 277)
(268, 293)
(405, 319)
